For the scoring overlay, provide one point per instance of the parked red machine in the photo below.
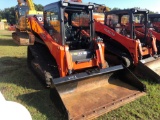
(155, 20)
(70, 59)
(126, 44)
(153, 26)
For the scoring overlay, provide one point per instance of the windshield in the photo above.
(80, 19)
(23, 10)
(138, 18)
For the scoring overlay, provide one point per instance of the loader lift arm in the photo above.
(153, 25)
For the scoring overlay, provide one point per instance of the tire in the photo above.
(126, 61)
(48, 79)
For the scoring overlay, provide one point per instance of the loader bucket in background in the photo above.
(94, 95)
(149, 69)
(22, 38)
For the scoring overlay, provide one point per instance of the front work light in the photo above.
(65, 4)
(90, 7)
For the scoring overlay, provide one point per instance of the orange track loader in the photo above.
(127, 45)
(70, 59)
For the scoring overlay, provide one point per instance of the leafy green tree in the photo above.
(115, 8)
(152, 12)
(38, 7)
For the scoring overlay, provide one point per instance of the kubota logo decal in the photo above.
(109, 32)
(72, 77)
(40, 19)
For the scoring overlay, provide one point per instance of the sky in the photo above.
(153, 5)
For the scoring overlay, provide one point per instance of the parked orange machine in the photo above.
(127, 44)
(70, 58)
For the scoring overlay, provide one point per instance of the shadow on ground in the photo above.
(15, 71)
(9, 35)
(7, 42)
(41, 101)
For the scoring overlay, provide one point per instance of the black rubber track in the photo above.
(41, 63)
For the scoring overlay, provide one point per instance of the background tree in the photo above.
(151, 12)
(115, 8)
(38, 7)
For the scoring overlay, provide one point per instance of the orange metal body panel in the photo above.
(100, 54)
(55, 49)
(146, 51)
(157, 25)
(130, 44)
(139, 31)
(99, 17)
(85, 20)
(79, 66)
(156, 34)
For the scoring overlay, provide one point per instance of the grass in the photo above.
(17, 83)
(144, 108)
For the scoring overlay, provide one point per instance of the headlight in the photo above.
(90, 7)
(65, 4)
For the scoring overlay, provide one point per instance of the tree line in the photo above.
(150, 12)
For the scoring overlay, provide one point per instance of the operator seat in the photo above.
(67, 29)
(69, 32)
(117, 27)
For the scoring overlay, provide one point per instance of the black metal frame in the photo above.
(71, 6)
(17, 8)
(130, 12)
(86, 74)
(154, 15)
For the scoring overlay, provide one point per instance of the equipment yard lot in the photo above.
(17, 83)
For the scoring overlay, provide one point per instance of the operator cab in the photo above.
(155, 21)
(70, 24)
(21, 11)
(127, 22)
(77, 29)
